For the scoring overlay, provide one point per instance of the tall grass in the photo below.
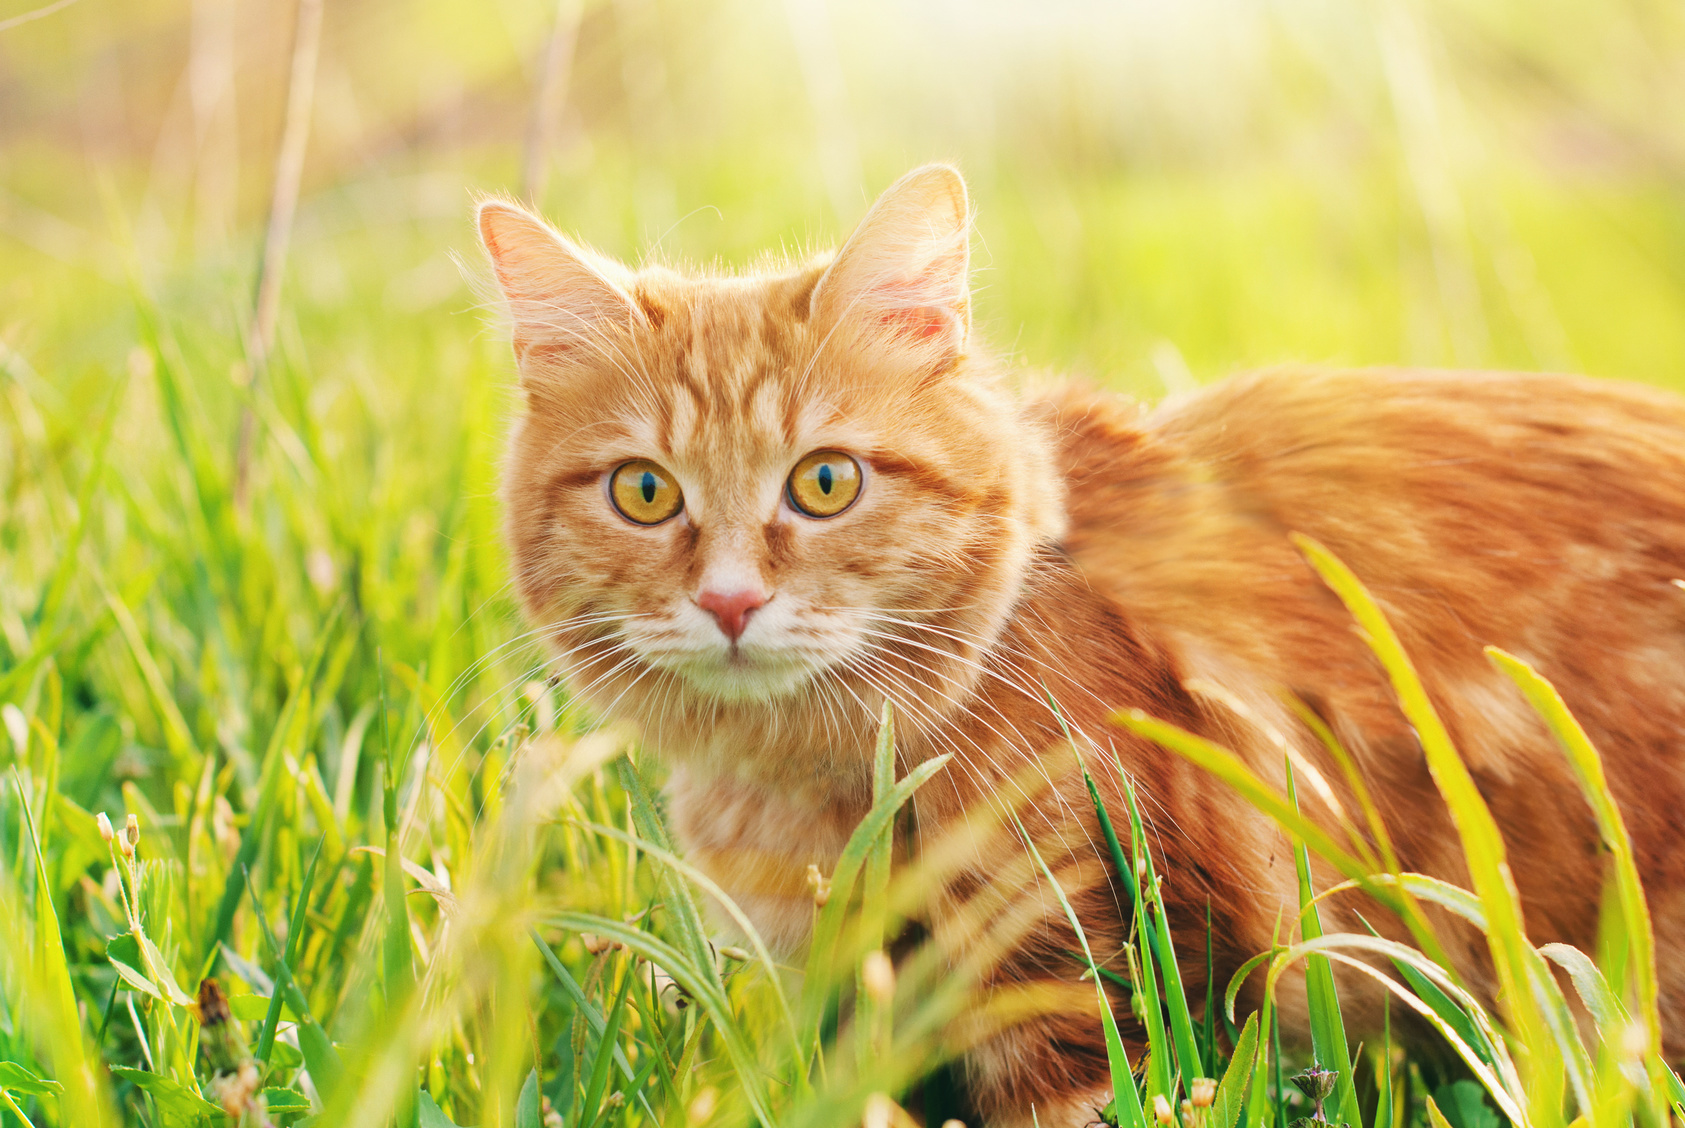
(461, 905)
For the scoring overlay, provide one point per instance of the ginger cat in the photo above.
(744, 510)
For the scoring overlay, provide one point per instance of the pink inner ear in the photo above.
(919, 322)
(927, 304)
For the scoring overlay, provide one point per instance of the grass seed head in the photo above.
(820, 884)
(878, 975)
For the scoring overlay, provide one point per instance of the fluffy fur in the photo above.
(1004, 548)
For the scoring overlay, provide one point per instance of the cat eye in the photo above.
(824, 483)
(644, 493)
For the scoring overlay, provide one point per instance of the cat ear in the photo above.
(905, 267)
(561, 296)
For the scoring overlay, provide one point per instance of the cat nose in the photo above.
(731, 609)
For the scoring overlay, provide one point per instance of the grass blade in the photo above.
(698, 985)
(1587, 765)
(1237, 1079)
(84, 1097)
(528, 1105)
(1508, 1097)
(688, 926)
(822, 949)
(582, 1004)
(1126, 1102)
(598, 1081)
(1600, 1002)
(1383, 1071)
(1230, 769)
(1328, 1029)
(295, 934)
(1442, 1005)
(738, 916)
(1483, 845)
(1159, 1080)
(1176, 1000)
(320, 1057)
(289, 731)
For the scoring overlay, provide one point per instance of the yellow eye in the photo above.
(645, 493)
(824, 483)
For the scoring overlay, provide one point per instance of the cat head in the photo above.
(740, 493)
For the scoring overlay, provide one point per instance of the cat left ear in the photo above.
(562, 297)
(905, 267)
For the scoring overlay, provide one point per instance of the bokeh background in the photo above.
(206, 514)
(1478, 182)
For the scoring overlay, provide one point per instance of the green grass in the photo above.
(363, 810)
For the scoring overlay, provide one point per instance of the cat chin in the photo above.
(738, 681)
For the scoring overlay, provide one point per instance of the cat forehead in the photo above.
(727, 314)
(750, 425)
(720, 356)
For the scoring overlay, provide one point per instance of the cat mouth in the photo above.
(740, 674)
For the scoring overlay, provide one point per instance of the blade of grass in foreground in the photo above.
(597, 1085)
(650, 826)
(872, 1027)
(1328, 1029)
(1509, 1098)
(295, 935)
(1231, 1093)
(709, 886)
(320, 1056)
(1159, 1077)
(1130, 911)
(821, 968)
(1383, 1071)
(1125, 874)
(1125, 1100)
(1229, 768)
(1587, 764)
(700, 987)
(1176, 1000)
(594, 1019)
(84, 1097)
(1483, 845)
(687, 924)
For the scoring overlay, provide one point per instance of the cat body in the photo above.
(747, 511)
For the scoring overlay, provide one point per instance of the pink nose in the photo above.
(731, 609)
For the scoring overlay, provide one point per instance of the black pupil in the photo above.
(646, 486)
(825, 477)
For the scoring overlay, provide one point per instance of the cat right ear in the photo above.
(905, 269)
(562, 298)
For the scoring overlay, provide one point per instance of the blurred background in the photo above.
(1162, 188)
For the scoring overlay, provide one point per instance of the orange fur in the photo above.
(1005, 548)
